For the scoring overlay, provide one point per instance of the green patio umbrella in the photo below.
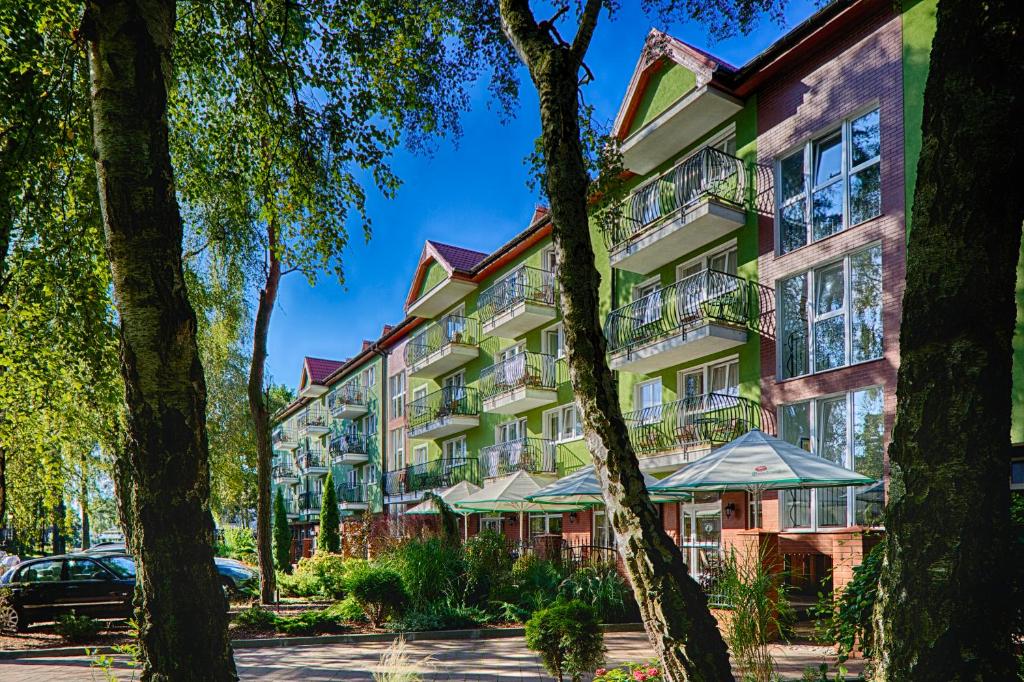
(756, 462)
(459, 491)
(583, 489)
(508, 494)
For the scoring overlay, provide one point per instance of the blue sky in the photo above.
(472, 193)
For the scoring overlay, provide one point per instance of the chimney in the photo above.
(366, 345)
(388, 328)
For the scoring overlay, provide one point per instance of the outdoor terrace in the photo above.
(350, 447)
(444, 345)
(451, 410)
(519, 383)
(517, 303)
(433, 475)
(348, 401)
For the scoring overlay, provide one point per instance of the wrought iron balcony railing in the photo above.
(522, 285)
(703, 420)
(282, 471)
(706, 296)
(709, 173)
(309, 501)
(450, 329)
(523, 370)
(282, 434)
(310, 457)
(351, 393)
(450, 401)
(351, 492)
(532, 455)
(350, 442)
(312, 416)
(438, 473)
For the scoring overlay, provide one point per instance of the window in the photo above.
(1017, 474)
(648, 297)
(691, 383)
(847, 430)
(396, 451)
(396, 388)
(841, 173)
(369, 377)
(419, 405)
(602, 534)
(42, 572)
(419, 454)
(85, 569)
(511, 431)
(563, 424)
(548, 260)
(720, 377)
(454, 450)
(648, 400)
(553, 341)
(545, 524)
(491, 523)
(832, 316)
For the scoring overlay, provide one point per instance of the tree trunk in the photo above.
(682, 630)
(943, 609)
(261, 420)
(3, 482)
(83, 505)
(183, 627)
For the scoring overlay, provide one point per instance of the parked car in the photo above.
(235, 576)
(43, 589)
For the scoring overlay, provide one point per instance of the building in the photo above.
(753, 279)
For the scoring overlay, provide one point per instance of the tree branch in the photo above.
(585, 32)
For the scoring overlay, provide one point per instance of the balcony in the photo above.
(284, 438)
(351, 496)
(351, 447)
(702, 314)
(451, 410)
(699, 201)
(291, 507)
(441, 297)
(518, 303)
(672, 433)
(443, 346)
(284, 474)
(349, 401)
(519, 383)
(309, 503)
(312, 421)
(532, 455)
(311, 460)
(433, 475)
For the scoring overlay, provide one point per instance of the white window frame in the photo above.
(704, 259)
(397, 449)
(814, 428)
(705, 370)
(420, 453)
(547, 517)
(813, 318)
(450, 444)
(504, 426)
(546, 348)
(846, 172)
(491, 522)
(548, 256)
(650, 315)
(396, 386)
(561, 411)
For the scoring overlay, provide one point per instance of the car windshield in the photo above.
(122, 566)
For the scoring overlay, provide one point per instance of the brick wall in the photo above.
(862, 68)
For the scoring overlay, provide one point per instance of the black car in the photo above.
(43, 589)
(235, 576)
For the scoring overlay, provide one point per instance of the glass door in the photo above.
(700, 532)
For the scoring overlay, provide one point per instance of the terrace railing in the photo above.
(438, 473)
(522, 285)
(354, 442)
(706, 296)
(532, 455)
(710, 173)
(708, 419)
(309, 501)
(523, 370)
(450, 329)
(282, 434)
(447, 402)
(351, 393)
(282, 471)
(310, 457)
(314, 415)
(351, 492)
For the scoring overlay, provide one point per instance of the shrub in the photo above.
(75, 628)
(568, 638)
(309, 622)
(602, 587)
(630, 672)
(380, 592)
(348, 610)
(442, 617)
(329, 539)
(256, 618)
(321, 575)
(282, 535)
(488, 566)
(845, 619)
(431, 570)
(535, 582)
(240, 544)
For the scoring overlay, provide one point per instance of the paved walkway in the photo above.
(498, 660)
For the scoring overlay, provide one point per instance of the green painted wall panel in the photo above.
(663, 89)
(434, 276)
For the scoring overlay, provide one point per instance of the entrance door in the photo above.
(700, 534)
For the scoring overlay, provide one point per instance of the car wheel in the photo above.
(10, 620)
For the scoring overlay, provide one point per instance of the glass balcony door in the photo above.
(700, 531)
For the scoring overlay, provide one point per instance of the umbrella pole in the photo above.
(522, 540)
(465, 526)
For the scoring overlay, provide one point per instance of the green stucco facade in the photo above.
(665, 87)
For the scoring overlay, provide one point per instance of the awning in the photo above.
(582, 488)
(459, 491)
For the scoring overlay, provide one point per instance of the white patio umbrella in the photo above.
(756, 462)
(459, 491)
(582, 489)
(508, 494)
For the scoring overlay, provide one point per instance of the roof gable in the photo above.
(316, 371)
(452, 259)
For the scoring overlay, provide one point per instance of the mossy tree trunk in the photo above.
(944, 611)
(676, 617)
(183, 626)
(260, 413)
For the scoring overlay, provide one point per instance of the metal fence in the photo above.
(350, 442)
(310, 456)
(522, 370)
(447, 402)
(350, 393)
(522, 285)
(532, 455)
(450, 329)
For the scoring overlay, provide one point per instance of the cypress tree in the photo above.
(329, 539)
(282, 535)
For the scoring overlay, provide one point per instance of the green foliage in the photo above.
(329, 539)
(630, 672)
(257, 618)
(442, 617)
(568, 638)
(309, 622)
(348, 610)
(535, 582)
(431, 570)
(321, 575)
(380, 592)
(282, 535)
(76, 629)
(604, 588)
(239, 543)
(488, 567)
(449, 519)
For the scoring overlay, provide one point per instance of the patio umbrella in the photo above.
(582, 488)
(756, 462)
(459, 491)
(508, 494)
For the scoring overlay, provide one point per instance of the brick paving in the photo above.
(499, 660)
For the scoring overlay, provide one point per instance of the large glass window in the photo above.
(563, 423)
(396, 388)
(545, 524)
(847, 430)
(841, 173)
(832, 316)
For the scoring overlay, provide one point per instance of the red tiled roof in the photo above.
(457, 257)
(320, 369)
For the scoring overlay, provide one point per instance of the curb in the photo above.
(277, 642)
